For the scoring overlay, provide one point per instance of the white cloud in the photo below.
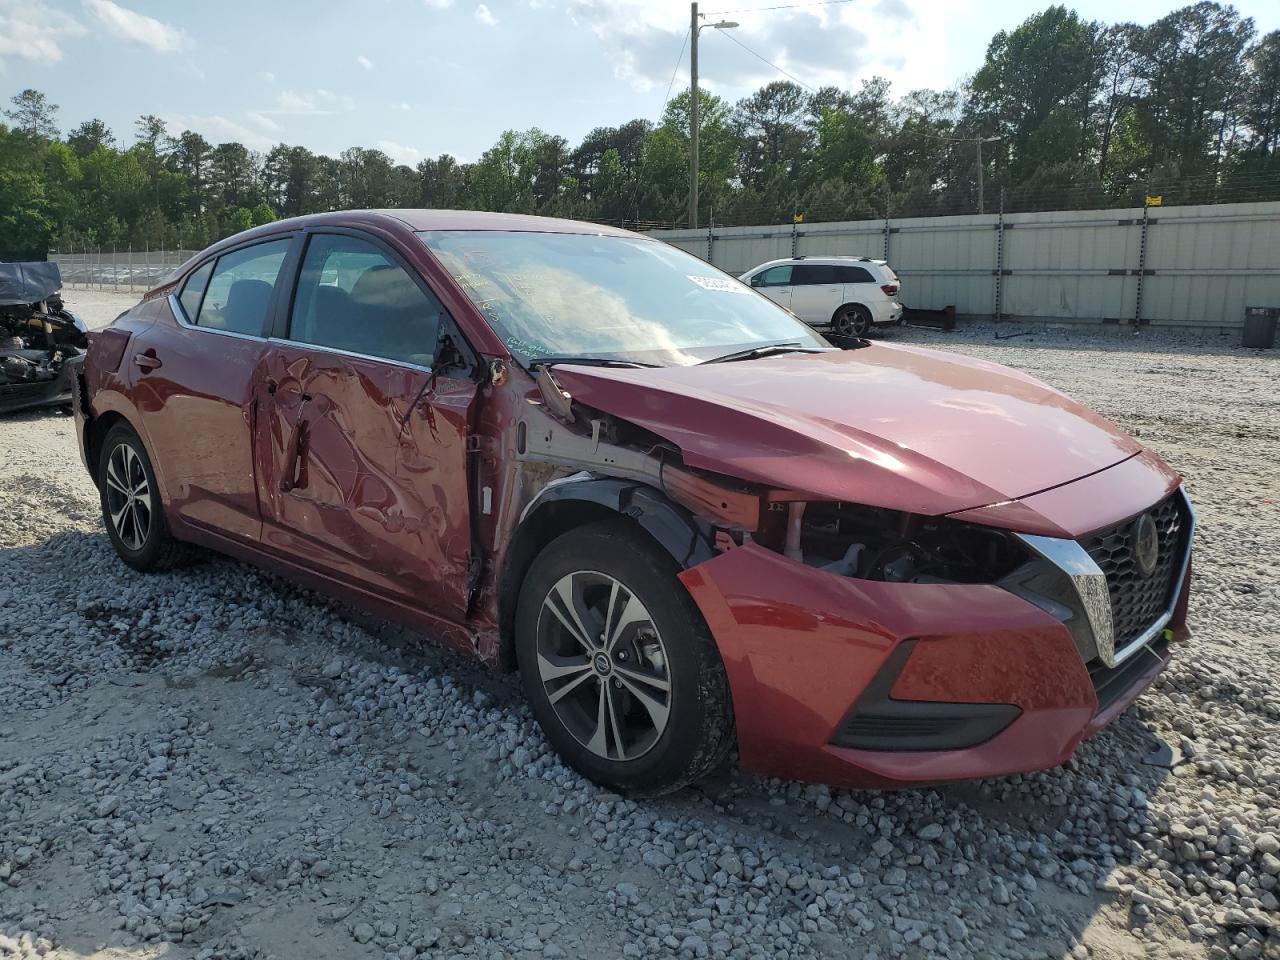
(134, 27)
(402, 107)
(317, 103)
(485, 16)
(29, 30)
(819, 45)
(218, 129)
(438, 4)
(399, 152)
(265, 122)
(364, 62)
(267, 76)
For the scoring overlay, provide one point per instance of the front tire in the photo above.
(852, 321)
(131, 507)
(618, 665)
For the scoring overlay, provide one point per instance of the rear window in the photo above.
(241, 288)
(193, 291)
(854, 275)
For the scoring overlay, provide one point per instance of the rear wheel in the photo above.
(852, 321)
(131, 507)
(619, 667)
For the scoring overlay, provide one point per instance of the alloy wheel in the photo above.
(851, 323)
(128, 496)
(603, 665)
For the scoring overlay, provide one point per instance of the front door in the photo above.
(361, 447)
(815, 293)
(775, 283)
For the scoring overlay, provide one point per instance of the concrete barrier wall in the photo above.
(1187, 266)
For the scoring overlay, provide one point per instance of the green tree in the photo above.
(1050, 61)
(1193, 64)
(34, 115)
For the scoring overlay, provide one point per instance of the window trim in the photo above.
(286, 267)
(280, 328)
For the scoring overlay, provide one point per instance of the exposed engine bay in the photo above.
(39, 338)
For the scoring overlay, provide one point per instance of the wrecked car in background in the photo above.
(687, 520)
(41, 342)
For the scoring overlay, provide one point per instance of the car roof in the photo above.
(823, 260)
(445, 220)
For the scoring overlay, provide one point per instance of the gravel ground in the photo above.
(212, 763)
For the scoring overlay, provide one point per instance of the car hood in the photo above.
(897, 427)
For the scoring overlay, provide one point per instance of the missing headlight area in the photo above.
(872, 543)
(39, 337)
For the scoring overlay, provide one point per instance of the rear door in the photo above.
(815, 293)
(192, 380)
(775, 283)
(860, 285)
(361, 445)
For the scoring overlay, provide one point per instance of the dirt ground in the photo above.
(213, 763)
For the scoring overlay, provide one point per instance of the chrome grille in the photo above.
(1137, 601)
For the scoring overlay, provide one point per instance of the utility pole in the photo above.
(980, 209)
(694, 29)
(693, 116)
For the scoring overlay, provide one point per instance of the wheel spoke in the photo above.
(567, 613)
(117, 520)
(656, 709)
(113, 470)
(613, 721)
(559, 668)
(112, 482)
(139, 527)
(633, 613)
(630, 673)
(571, 686)
(599, 742)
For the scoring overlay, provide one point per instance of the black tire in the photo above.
(147, 544)
(852, 321)
(698, 731)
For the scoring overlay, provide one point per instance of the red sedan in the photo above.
(684, 517)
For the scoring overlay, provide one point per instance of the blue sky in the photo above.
(423, 77)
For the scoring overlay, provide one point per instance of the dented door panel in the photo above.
(354, 477)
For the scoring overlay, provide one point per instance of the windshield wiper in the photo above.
(587, 362)
(766, 350)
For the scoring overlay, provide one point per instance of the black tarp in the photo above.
(28, 282)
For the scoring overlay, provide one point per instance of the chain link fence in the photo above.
(125, 270)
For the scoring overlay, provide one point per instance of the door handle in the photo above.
(147, 361)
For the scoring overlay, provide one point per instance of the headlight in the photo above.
(872, 543)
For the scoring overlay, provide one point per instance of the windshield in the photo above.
(609, 298)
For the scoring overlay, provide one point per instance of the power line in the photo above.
(785, 6)
(789, 76)
(674, 70)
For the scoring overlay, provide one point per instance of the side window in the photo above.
(353, 297)
(813, 274)
(240, 289)
(193, 291)
(779, 276)
(853, 275)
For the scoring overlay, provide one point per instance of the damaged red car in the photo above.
(689, 522)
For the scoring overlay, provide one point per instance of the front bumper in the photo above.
(802, 647)
(41, 393)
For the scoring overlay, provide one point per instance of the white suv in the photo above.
(847, 294)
